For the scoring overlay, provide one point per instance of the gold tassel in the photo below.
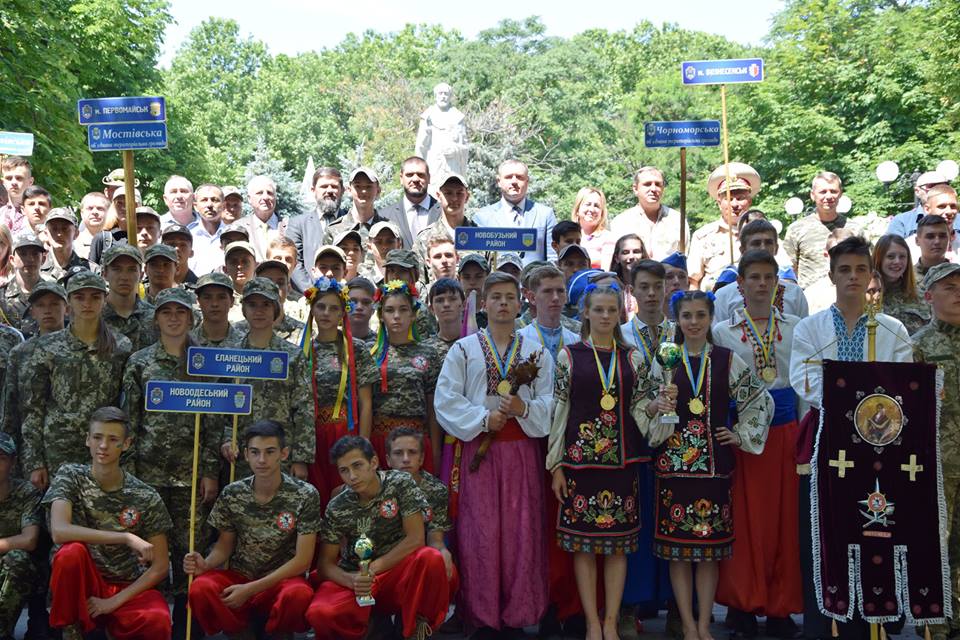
(883, 633)
(926, 632)
(833, 629)
(806, 388)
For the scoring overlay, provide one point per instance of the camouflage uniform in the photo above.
(289, 402)
(201, 339)
(138, 326)
(436, 516)
(10, 338)
(326, 366)
(411, 375)
(11, 402)
(441, 346)
(13, 305)
(54, 271)
(266, 533)
(18, 569)
(381, 519)
(565, 321)
(939, 343)
(805, 241)
(290, 329)
(64, 381)
(135, 508)
(162, 451)
(913, 315)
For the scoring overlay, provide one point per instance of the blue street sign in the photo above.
(237, 363)
(198, 397)
(112, 110)
(496, 238)
(14, 143)
(722, 71)
(127, 137)
(682, 133)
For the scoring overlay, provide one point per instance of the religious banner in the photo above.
(876, 492)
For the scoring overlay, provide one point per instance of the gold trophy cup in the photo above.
(669, 356)
(364, 550)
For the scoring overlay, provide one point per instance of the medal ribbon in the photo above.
(689, 369)
(503, 368)
(766, 346)
(647, 347)
(606, 377)
(543, 343)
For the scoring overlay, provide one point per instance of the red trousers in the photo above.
(418, 586)
(322, 473)
(763, 575)
(283, 604)
(74, 578)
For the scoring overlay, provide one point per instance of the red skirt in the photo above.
(322, 473)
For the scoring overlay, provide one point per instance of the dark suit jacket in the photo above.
(395, 214)
(306, 232)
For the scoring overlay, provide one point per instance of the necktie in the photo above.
(518, 215)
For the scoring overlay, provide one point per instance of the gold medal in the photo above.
(696, 406)
(608, 402)
(769, 374)
(504, 388)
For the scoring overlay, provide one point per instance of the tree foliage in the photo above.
(849, 83)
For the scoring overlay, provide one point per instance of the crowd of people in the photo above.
(576, 437)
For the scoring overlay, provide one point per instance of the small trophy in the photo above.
(364, 550)
(669, 356)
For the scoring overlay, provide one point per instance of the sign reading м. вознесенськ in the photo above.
(722, 71)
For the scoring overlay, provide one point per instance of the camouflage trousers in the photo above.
(177, 501)
(951, 493)
(18, 574)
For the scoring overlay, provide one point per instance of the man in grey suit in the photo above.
(307, 229)
(515, 209)
(417, 210)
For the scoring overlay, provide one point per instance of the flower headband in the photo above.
(693, 295)
(397, 286)
(330, 285)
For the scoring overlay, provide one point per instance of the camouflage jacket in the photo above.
(412, 371)
(442, 347)
(20, 509)
(201, 339)
(290, 329)
(266, 533)
(381, 519)
(939, 343)
(436, 516)
(64, 381)
(425, 322)
(913, 315)
(138, 326)
(289, 402)
(135, 508)
(13, 306)
(162, 451)
(11, 401)
(326, 365)
(10, 338)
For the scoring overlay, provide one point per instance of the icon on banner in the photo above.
(463, 238)
(879, 419)
(86, 111)
(239, 399)
(690, 72)
(754, 70)
(878, 508)
(95, 132)
(276, 365)
(156, 396)
(197, 361)
(155, 109)
(652, 128)
(527, 239)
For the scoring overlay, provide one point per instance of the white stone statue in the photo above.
(442, 137)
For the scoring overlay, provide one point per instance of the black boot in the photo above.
(38, 621)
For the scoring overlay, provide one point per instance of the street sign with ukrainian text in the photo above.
(16, 143)
(495, 238)
(127, 109)
(131, 136)
(198, 397)
(238, 363)
(722, 71)
(682, 133)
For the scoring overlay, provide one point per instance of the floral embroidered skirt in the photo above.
(694, 519)
(600, 514)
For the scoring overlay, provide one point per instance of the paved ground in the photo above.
(651, 628)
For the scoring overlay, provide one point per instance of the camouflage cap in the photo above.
(504, 259)
(175, 295)
(261, 287)
(349, 233)
(44, 287)
(120, 250)
(28, 239)
(527, 270)
(385, 225)
(86, 280)
(160, 251)
(115, 179)
(7, 445)
(176, 229)
(272, 264)
(239, 245)
(403, 258)
(230, 190)
(235, 227)
(61, 213)
(216, 279)
(473, 258)
(938, 272)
